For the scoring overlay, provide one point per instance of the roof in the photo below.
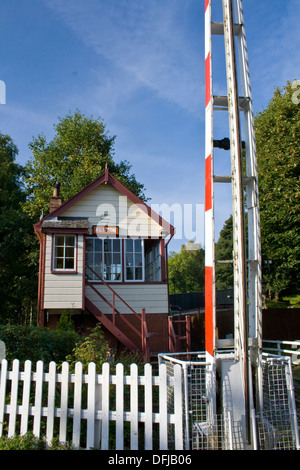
(56, 225)
(105, 178)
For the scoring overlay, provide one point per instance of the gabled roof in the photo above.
(105, 178)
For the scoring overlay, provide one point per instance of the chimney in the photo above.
(55, 200)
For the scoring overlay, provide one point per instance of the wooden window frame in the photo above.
(67, 270)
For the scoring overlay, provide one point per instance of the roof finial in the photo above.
(106, 174)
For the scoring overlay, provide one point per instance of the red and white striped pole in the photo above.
(209, 197)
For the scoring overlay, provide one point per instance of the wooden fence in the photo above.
(102, 411)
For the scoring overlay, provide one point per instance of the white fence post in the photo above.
(77, 405)
(26, 397)
(64, 403)
(105, 407)
(3, 380)
(134, 407)
(120, 407)
(39, 376)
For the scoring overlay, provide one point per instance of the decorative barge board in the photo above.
(103, 257)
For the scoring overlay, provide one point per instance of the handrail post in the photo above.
(114, 308)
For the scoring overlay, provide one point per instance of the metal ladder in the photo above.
(243, 178)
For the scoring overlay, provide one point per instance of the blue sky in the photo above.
(139, 65)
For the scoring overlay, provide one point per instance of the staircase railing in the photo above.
(176, 338)
(143, 332)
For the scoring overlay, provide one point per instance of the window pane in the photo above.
(107, 259)
(138, 274)
(138, 246)
(89, 259)
(107, 245)
(58, 263)
(59, 240)
(129, 274)
(97, 244)
(117, 258)
(129, 245)
(89, 244)
(138, 260)
(70, 240)
(59, 252)
(116, 245)
(69, 252)
(69, 263)
(129, 259)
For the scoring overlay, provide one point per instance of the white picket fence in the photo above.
(79, 407)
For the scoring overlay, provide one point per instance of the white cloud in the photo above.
(146, 41)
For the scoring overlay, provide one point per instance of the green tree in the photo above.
(224, 248)
(186, 269)
(278, 153)
(18, 277)
(75, 156)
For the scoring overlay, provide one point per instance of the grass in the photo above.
(289, 301)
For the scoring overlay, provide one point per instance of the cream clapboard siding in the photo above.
(130, 218)
(63, 291)
(152, 297)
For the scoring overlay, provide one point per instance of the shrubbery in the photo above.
(34, 343)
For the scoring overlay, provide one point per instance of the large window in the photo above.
(104, 257)
(134, 260)
(64, 253)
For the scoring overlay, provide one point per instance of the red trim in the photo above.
(163, 260)
(83, 271)
(209, 320)
(207, 80)
(208, 184)
(80, 231)
(206, 4)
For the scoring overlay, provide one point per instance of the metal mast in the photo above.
(243, 178)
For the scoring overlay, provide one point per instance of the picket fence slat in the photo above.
(56, 403)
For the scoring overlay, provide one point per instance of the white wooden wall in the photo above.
(130, 218)
(152, 297)
(63, 291)
(18, 407)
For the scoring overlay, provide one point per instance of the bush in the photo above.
(35, 343)
(26, 442)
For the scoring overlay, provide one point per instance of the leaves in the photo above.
(75, 157)
(186, 270)
(277, 131)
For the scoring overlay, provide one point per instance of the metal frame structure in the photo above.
(243, 178)
(234, 397)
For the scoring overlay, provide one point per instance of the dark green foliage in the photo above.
(34, 343)
(186, 269)
(277, 131)
(18, 264)
(224, 249)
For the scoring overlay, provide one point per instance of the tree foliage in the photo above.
(18, 277)
(278, 152)
(186, 269)
(75, 157)
(224, 248)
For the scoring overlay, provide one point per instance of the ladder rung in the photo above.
(222, 102)
(222, 179)
(227, 179)
(218, 28)
(224, 261)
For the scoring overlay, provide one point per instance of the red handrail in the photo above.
(143, 334)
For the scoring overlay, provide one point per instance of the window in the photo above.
(134, 260)
(64, 253)
(104, 257)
